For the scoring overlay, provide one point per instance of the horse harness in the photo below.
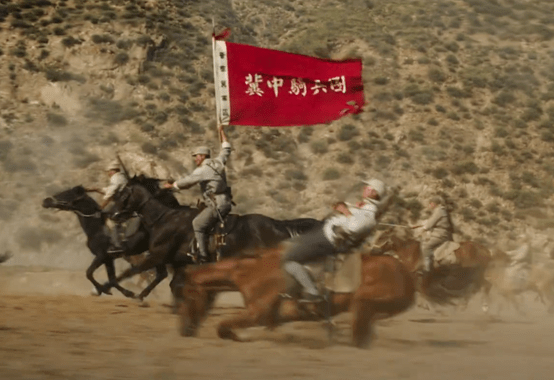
(97, 214)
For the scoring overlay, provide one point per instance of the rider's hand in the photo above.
(342, 208)
(168, 185)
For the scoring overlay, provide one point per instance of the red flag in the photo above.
(264, 87)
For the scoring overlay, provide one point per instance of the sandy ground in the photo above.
(51, 328)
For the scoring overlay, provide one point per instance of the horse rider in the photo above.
(440, 230)
(345, 230)
(118, 180)
(210, 174)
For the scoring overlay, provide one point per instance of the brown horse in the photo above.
(510, 279)
(386, 289)
(448, 282)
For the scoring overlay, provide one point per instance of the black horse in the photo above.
(240, 234)
(93, 222)
(171, 232)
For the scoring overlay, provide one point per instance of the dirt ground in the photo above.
(51, 328)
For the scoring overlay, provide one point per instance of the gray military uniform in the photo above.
(440, 229)
(213, 181)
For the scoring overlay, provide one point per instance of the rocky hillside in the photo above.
(459, 103)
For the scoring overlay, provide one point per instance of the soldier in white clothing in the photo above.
(118, 180)
(340, 233)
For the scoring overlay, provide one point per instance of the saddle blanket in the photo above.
(346, 277)
(444, 254)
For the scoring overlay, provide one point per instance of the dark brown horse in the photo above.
(386, 290)
(445, 283)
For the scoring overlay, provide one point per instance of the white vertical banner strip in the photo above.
(221, 82)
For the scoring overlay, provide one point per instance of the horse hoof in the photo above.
(226, 333)
(129, 294)
(143, 303)
(188, 332)
(95, 292)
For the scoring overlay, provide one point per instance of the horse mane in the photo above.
(298, 226)
(165, 196)
(87, 197)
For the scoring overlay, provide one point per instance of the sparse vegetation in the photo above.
(109, 112)
(102, 39)
(331, 174)
(347, 132)
(121, 58)
(319, 147)
(56, 119)
(445, 105)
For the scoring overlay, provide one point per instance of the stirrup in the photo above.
(311, 298)
(286, 296)
(115, 250)
(197, 259)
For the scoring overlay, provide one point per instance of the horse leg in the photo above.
(152, 261)
(244, 320)
(257, 314)
(148, 263)
(134, 261)
(110, 269)
(546, 294)
(98, 260)
(485, 299)
(361, 324)
(515, 304)
(161, 274)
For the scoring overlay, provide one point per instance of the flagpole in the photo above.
(216, 87)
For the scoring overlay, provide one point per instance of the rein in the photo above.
(141, 206)
(97, 214)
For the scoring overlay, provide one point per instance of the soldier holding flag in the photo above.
(210, 174)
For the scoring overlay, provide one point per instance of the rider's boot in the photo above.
(117, 246)
(298, 272)
(203, 257)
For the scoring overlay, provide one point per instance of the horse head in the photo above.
(131, 198)
(75, 199)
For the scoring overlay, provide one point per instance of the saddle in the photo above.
(337, 274)
(124, 227)
(216, 238)
(444, 254)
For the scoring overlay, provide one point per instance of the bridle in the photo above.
(71, 207)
